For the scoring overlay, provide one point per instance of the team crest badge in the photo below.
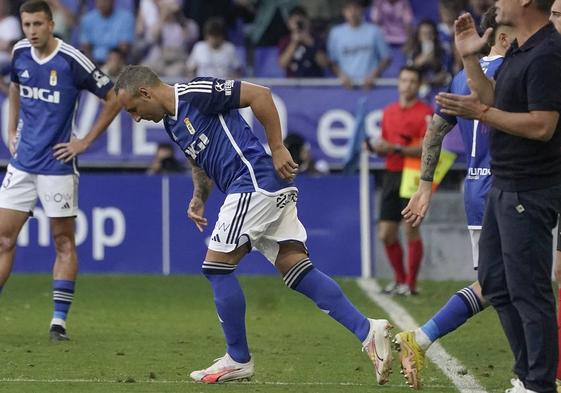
(53, 78)
(189, 126)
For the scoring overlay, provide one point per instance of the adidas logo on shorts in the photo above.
(66, 206)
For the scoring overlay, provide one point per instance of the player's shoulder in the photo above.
(20, 46)
(75, 57)
(201, 85)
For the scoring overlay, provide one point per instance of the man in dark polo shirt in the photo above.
(522, 106)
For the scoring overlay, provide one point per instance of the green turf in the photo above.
(146, 333)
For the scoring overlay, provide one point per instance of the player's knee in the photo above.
(217, 269)
(297, 273)
(64, 245)
(7, 244)
(387, 237)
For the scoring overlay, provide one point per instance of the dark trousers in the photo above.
(515, 264)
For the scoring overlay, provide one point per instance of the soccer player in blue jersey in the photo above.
(468, 301)
(259, 210)
(46, 79)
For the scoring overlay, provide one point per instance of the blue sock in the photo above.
(328, 296)
(230, 307)
(462, 305)
(63, 294)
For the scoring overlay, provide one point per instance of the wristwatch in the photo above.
(397, 149)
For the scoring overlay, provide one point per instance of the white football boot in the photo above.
(225, 369)
(378, 347)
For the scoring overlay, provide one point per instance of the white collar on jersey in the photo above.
(48, 58)
(174, 117)
(491, 58)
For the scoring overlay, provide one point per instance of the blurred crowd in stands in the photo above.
(356, 41)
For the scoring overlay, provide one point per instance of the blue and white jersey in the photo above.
(476, 142)
(209, 129)
(49, 90)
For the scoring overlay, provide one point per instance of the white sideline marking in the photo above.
(187, 382)
(450, 366)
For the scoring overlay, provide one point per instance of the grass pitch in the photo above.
(146, 333)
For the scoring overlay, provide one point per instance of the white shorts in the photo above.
(58, 194)
(262, 220)
(474, 236)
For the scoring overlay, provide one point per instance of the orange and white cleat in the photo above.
(225, 369)
(378, 347)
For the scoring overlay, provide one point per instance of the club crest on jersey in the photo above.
(189, 126)
(53, 78)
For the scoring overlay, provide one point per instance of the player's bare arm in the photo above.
(202, 186)
(67, 151)
(537, 125)
(469, 44)
(419, 203)
(260, 99)
(13, 116)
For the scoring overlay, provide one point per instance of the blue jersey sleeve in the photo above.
(13, 72)
(88, 77)
(212, 96)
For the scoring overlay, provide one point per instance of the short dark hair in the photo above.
(413, 69)
(489, 20)
(33, 6)
(135, 76)
(545, 5)
(356, 3)
(215, 27)
(298, 10)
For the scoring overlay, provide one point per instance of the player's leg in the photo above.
(11, 222)
(219, 269)
(388, 230)
(227, 247)
(414, 256)
(18, 196)
(59, 198)
(300, 275)
(283, 243)
(65, 271)
(464, 304)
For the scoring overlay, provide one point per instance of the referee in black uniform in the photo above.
(522, 107)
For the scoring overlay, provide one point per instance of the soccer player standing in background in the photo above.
(46, 79)
(468, 301)
(403, 126)
(259, 210)
(522, 107)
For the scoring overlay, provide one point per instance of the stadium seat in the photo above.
(266, 62)
(398, 61)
